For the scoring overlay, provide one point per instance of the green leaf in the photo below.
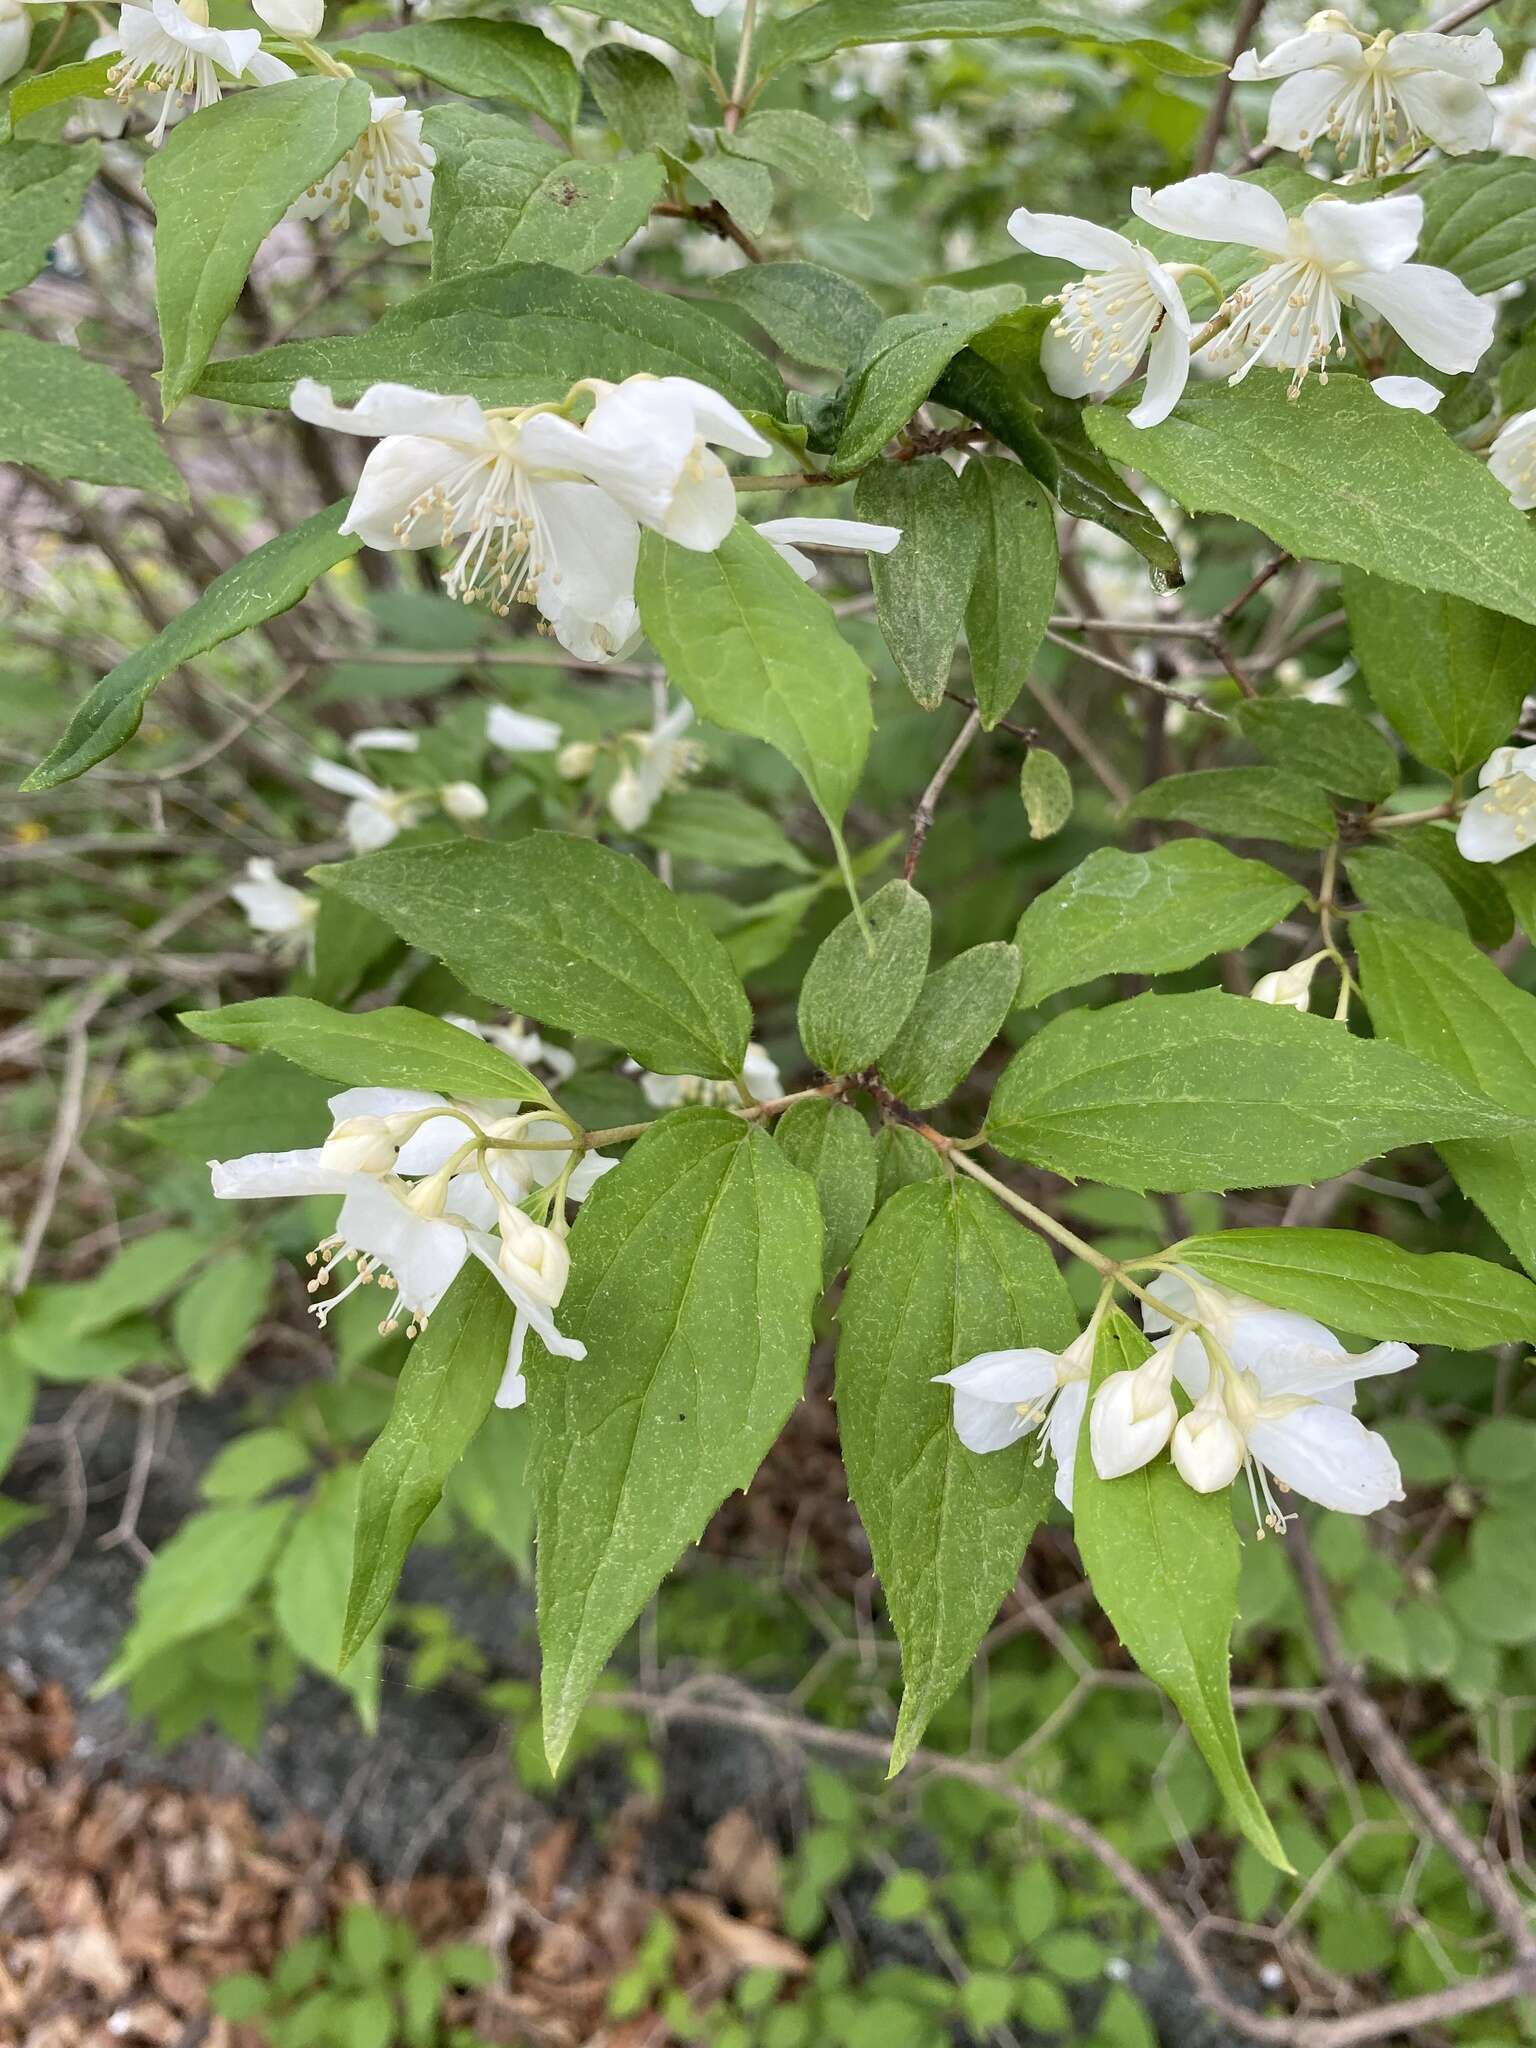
(513, 336)
(693, 1269)
(1326, 743)
(71, 418)
(1449, 676)
(856, 994)
(390, 1048)
(219, 186)
(49, 88)
(1212, 1091)
(483, 60)
(444, 1393)
(844, 24)
(813, 314)
(1388, 880)
(251, 1465)
(565, 930)
(1483, 904)
(808, 152)
(1480, 221)
(216, 1317)
(195, 1582)
(640, 98)
(756, 651)
(141, 1275)
(42, 185)
(260, 1105)
(959, 1012)
(677, 22)
(830, 1141)
(17, 1514)
(1247, 803)
(720, 829)
(1147, 913)
(1015, 580)
(1367, 1284)
(922, 587)
(902, 1157)
(577, 215)
(269, 580)
(744, 189)
(489, 1487)
(941, 1275)
(1045, 789)
(1163, 1560)
(1432, 991)
(310, 1585)
(1517, 878)
(1335, 477)
(902, 361)
(488, 167)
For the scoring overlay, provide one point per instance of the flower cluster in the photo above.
(427, 1184)
(1271, 1396)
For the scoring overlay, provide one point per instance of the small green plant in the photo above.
(372, 1986)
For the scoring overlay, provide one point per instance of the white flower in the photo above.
(1500, 821)
(576, 762)
(523, 1044)
(656, 762)
(1512, 458)
(1278, 1404)
(384, 739)
(388, 170)
(940, 143)
(463, 802)
(446, 471)
(375, 816)
(1333, 255)
(647, 443)
(1289, 988)
(171, 46)
(284, 915)
(1107, 319)
(301, 18)
(710, 8)
(1001, 1396)
(15, 35)
(1377, 97)
(520, 732)
(1514, 111)
(671, 1091)
(1408, 394)
(846, 536)
(1133, 1416)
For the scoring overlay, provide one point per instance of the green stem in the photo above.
(850, 883)
(1038, 1217)
(743, 67)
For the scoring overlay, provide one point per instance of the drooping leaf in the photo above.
(1448, 675)
(1353, 1281)
(1163, 1561)
(1432, 991)
(844, 24)
(720, 829)
(807, 151)
(71, 418)
(390, 1048)
(941, 1275)
(515, 335)
(219, 186)
(693, 1269)
(483, 60)
(830, 1141)
(813, 314)
(923, 586)
(858, 993)
(744, 189)
(1015, 579)
(902, 361)
(444, 1393)
(1336, 477)
(88, 79)
(1246, 803)
(958, 1013)
(1326, 743)
(1211, 1091)
(42, 185)
(269, 580)
(1147, 913)
(260, 1105)
(565, 930)
(753, 649)
(215, 1318)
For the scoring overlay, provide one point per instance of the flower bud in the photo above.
(1133, 1416)
(533, 1257)
(463, 802)
(628, 800)
(302, 18)
(360, 1144)
(429, 1197)
(1208, 1449)
(576, 761)
(1289, 988)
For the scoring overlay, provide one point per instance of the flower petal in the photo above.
(1004, 1376)
(1376, 234)
(1328, 1455)
(1454, 113)
(1499, 822)
(855, 536)
(1408, 394)
(485, 1249)
(717, 420)
(1433, 311)
(1303, 108)
(1070, 240)
(342, 780)
(513, 1391)
(1167, 374)
(260, 1175)
(424, 1254)
(1215, 208)
(386, 409)
(1317, 1378)
(1477, 57)
(1331, 47)
(1065, 1424)
(521, 732)
(588, 594)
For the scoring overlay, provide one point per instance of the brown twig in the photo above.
(922, 817)
(1216, 120)
(714, 217)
